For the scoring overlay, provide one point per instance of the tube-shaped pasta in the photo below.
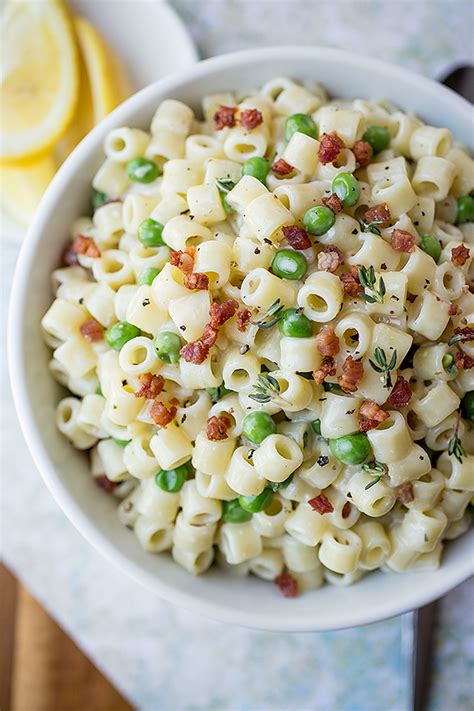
(277, 457)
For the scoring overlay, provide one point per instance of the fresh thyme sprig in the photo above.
(372, 227)
(455, 448)
(224, 186)
(375, 469)
(265, 389)
(275, 310)
(382, 366)
(367, 280)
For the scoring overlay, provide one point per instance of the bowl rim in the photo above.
(17, 365)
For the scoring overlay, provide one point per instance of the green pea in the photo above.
(257, 426)
(449, 364)
(150, 233)
(467, 406)
(295, 324)
(256, 167)
(232, 512)
(289, 264)
(119, 333)
(316, 425)
(172, 480)
(121, 442)
(318, 220)
(98, 199)
(465, 211)
(167, 346)
(218, 393)
(142, 170)
(350, 449)
(378, 137)
(300, 123)
(147, 275)
(432, 246)
(346, 188)
(277, 485)
(254, 504)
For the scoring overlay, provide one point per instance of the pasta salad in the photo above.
(266, 329)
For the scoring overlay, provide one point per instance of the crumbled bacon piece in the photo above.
(401, 393)
(151, 386)
(161, 415)
(209, 335)
(104, 483)
(92, 330)
(363, 152)
(287, 584)
(86, 246)
(330, 145)
(333, 203)
(196, 280)
(250, 118)
(330, 258)
(217, 427)
(327, 342)
(195, 352)
(371, 415)
(378, 213)
(321, 504)
(243, 320)
(346, 510)
(326, 368)
(184, 260)
(453, 310)
(402, 241)
(405, 493)
(460, 255)
(466, 333)
(350, 281)
(352, 374)
(281, 167)
(225, 117)
(220, 313)
(463, 361)
(297, 237)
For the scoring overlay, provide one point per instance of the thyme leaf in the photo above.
(367, 280)
(462, 334)
(275, 310)
(372, 483)
(455, 447)
(383, 366)
(375, 466)
(265, 389)
(224, 186)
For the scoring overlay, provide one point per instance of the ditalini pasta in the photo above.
(267, 332)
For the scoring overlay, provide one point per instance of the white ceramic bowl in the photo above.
(243, 601)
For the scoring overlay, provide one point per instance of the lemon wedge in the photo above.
(21, 188)
(39, 78)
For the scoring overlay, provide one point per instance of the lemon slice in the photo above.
(39, 78)
(21, 188)
(107, 76)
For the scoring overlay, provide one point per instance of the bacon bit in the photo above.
(466, 333)
(161, 415)
(151, 386)
(460, 255)
(209, 336)
(350, 281)
(104, 483)
(321, 504)
(326, 368)
(327, 342)
(463, 361)
(86, 246)
(346, 510)
(220, 313)
(401, 393)
(217, 427)
(352, 374)
(243, 320)
(402, 241)
(405, 493)
(69, 257)
(225, 116)
(184, 260)
(281, 167)
(363, 153)
(287, 584)
(250, 118)
(378, 213)
(195, 352)
(454, 310)
(371, 415)
(92, 331)
(330, 258)
(330, 147)
(333, 203)
(196, 280)
(297, 237)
